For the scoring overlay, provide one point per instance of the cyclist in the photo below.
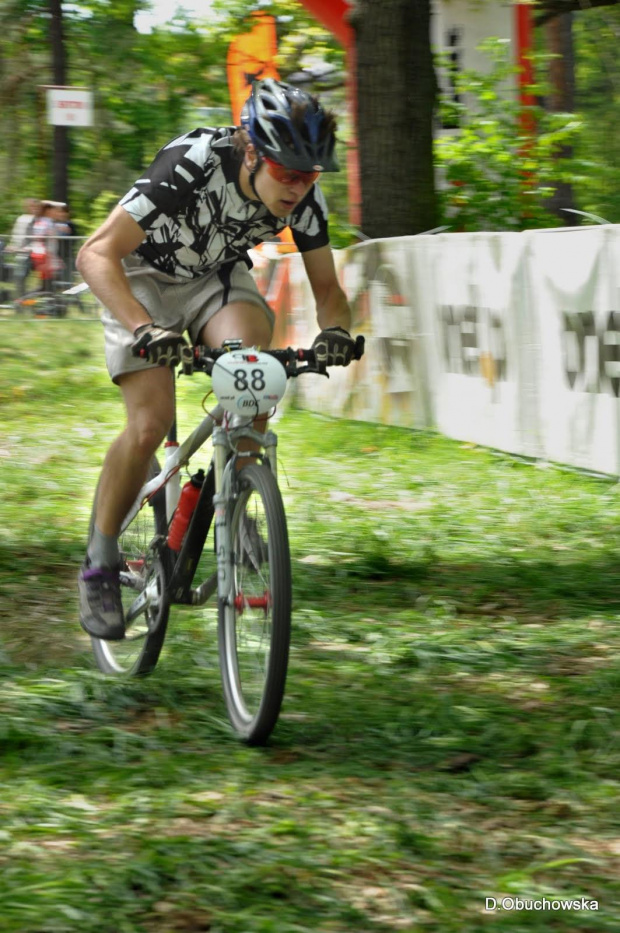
(172, 257)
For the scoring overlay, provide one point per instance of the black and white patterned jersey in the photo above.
(195, 216)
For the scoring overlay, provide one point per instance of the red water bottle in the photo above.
(184, 510)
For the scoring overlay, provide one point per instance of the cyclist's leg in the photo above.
(227, 306)
(148, 393)
(149, 401)
(243, 321)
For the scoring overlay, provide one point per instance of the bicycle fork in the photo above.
(224, 500)
(221, 500)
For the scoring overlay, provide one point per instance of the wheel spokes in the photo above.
(252, 604)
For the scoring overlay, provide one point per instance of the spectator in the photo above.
(21, 240)
(20, 236)
(44, 245)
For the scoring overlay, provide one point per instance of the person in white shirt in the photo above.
(21, 239)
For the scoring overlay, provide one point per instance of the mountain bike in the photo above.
(248, 566)
(52, 298)
(46, 290)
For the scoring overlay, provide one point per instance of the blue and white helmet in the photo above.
(267, 118)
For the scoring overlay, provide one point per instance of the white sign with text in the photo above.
(70, 106)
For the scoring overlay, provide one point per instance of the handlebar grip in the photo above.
(359, 347)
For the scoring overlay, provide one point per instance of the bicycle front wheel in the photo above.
(142, 574)
(255, 619)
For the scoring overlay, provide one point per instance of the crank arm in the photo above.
(147, 598)
(204, 592)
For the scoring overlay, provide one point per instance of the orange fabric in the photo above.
(251, 55)
(45, 264)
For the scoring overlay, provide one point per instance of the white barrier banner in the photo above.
(573, 280)
(508, 340)
(388, 385)
(471, 288)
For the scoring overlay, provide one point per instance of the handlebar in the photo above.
(203, 358)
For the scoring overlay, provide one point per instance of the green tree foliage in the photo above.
(24, 66)
(597, 39)
(496, 174)
(484, 163)
(143, 87)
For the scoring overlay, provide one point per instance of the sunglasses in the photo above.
(287, 176)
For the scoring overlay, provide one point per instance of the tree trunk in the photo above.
(396, 89)
(559, 33)
(546, 10)
(60, 155)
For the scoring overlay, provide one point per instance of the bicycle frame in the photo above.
(219, 489)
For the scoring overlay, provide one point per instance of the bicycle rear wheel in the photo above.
(142, 572)
(255, 621)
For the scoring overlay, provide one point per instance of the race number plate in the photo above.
(248, 381)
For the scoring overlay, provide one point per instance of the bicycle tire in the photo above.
(254, 623)
(138, 653)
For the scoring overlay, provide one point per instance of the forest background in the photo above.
(150, 87)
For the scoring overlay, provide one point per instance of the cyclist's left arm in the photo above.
(332, 307)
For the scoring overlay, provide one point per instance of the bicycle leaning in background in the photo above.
(164, 534)
(48, 291)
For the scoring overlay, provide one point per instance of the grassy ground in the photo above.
(450, 730)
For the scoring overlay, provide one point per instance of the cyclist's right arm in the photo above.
(99, 263)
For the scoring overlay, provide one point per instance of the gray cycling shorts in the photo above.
(176, 305)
